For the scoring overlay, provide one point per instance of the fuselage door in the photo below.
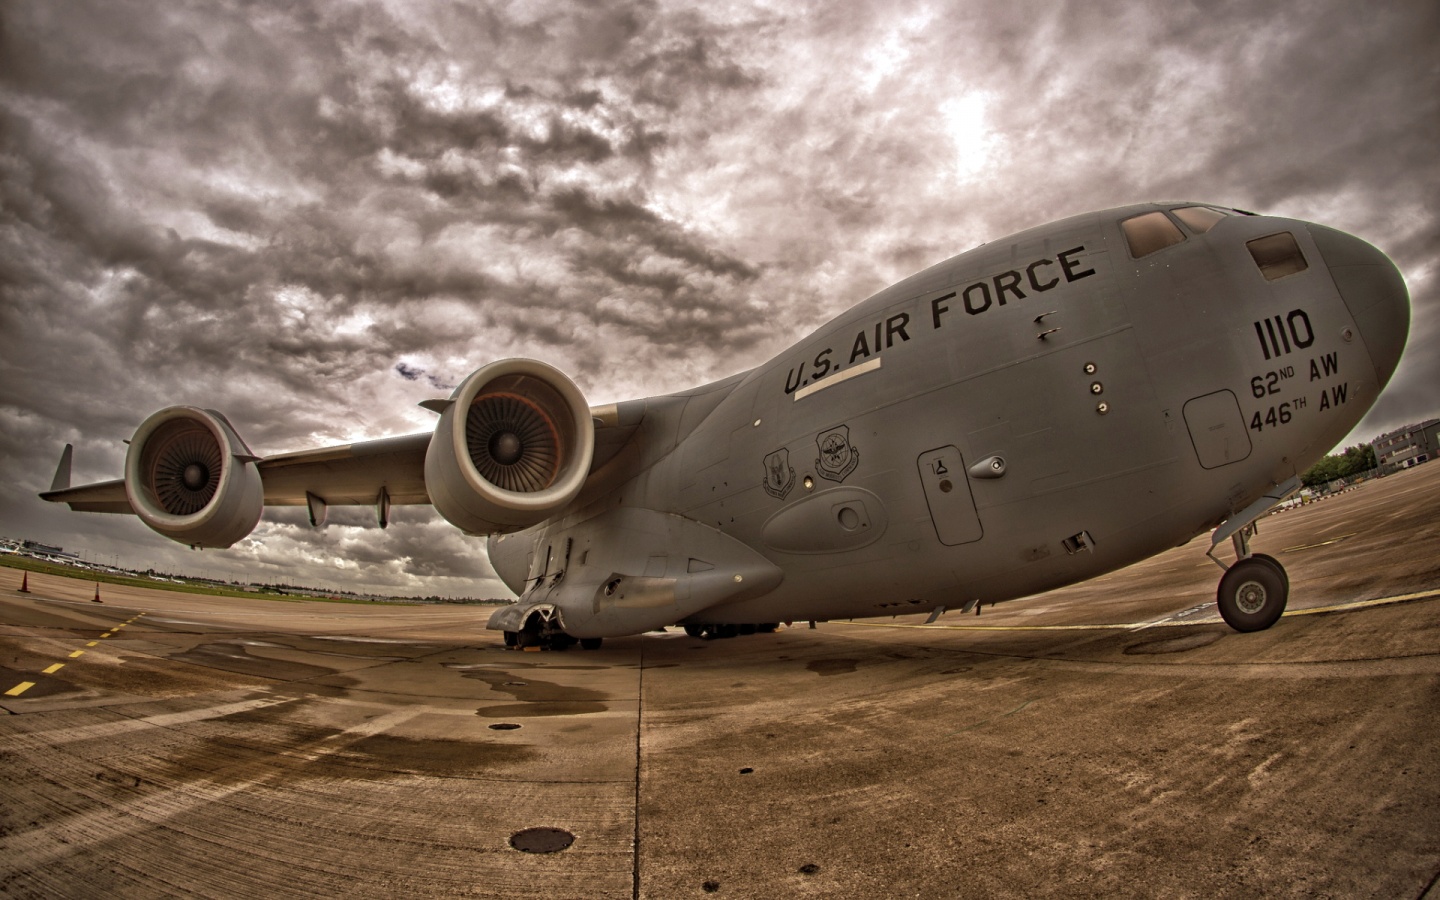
(947, 491)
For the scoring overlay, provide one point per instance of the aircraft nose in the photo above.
(1373, 290)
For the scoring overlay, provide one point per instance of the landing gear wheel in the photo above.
(695, 631)
(591, 643)
(511, 638)
(1252, 594)
(561, 642)
(1275, 564)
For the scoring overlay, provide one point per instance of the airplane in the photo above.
(1031, 413)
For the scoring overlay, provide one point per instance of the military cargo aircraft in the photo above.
(1031, 413)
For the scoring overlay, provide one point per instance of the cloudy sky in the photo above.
(312, 216)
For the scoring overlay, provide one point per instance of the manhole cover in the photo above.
(541, 840)
(504, 726)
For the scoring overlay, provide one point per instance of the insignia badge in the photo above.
(837, 457)
(779, 477)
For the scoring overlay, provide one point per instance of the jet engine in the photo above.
(513, 446)
(189, 477)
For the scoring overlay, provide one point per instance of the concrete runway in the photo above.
(1108, 739)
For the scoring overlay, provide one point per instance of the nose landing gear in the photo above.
(1253, 591)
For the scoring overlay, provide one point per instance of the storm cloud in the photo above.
(313, 216)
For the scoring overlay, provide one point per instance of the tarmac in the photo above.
(1112, 738)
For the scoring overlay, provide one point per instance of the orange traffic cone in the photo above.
(25, 584)
(97, 594)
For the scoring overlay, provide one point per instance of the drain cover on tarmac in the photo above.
(541, 840)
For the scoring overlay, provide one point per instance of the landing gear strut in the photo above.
(544, 630)
(1254, 590)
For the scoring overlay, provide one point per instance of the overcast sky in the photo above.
(313, 216)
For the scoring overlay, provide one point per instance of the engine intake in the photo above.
(513, 445)
(189, 477)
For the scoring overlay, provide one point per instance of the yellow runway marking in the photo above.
(1334, 540)
(24, 686)
(1212, 620)
(1364, 604)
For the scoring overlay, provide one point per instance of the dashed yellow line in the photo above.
(24, 686)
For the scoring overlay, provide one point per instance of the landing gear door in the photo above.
(947, 491)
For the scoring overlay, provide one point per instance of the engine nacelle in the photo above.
(190, 477)
(513, 446)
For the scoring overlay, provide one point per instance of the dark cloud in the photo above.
(313, 216)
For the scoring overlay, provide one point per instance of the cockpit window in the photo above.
(1277, 255)
(1150, 232)
(1199, 219)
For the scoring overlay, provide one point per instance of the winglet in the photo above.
(62, 472)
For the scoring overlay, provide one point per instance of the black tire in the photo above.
(695, 631)
(748, 629)
(768, 627)
(727, 631)
(591, 643)
(511, 639)
(1252, 595)
(1275, 564)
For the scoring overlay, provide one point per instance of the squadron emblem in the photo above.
(779, 477)
(838, 458)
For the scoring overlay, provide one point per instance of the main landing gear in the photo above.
(1253, 590)
(522, 640)
(541, 635)
(711, 632)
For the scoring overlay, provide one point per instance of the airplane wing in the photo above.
(358, 474)
(346, 475)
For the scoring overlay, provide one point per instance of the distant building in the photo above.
(35, 548)
(1409, 445)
